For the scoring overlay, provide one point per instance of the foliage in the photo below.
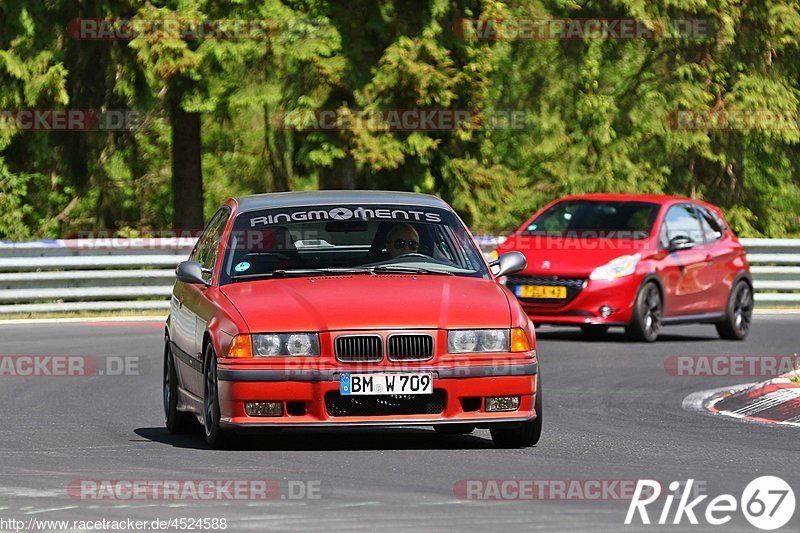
(598, 113)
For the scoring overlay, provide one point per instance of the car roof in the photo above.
(629, 197)
(333, 197)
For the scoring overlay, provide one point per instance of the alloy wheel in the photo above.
(651, 314)
(743, 308)
(210, 397)
(167, 378)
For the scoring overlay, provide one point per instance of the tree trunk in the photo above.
(187, 172)
(275, 153)
(342, 175)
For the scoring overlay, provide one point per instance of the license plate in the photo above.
(385, 384)
(541, 291)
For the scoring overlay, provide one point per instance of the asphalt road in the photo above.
(612, 412)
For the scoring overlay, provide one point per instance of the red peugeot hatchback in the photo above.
(638, 261)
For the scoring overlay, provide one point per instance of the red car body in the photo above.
(695, 283)
(206, 318)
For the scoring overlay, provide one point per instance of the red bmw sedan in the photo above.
(637, 261)
(347, 308)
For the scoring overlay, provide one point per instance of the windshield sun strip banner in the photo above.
(272, 217)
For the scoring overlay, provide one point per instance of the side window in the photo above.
(683, 221)
(711, 227)
(207, 247)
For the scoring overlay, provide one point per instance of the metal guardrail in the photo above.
(137, 274)
(775, 265)
(89, 274)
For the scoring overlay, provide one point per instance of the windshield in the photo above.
(349, 239)
(598, 219)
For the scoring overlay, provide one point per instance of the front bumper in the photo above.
(462, 391)
(584, 308)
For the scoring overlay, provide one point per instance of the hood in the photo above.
(369, 302)
(552, 256)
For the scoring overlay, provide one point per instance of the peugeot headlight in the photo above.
(616, 268)
(478, 340)
(285, 345)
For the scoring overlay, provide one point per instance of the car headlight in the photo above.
(285, 344)
(478, 340)
(616, 268)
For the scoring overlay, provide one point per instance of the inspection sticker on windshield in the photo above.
(241, 267)
(385, 384)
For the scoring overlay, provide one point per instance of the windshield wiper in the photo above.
(285, 273)
(333, 271)
(410, 270)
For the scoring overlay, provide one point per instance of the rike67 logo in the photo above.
(767, 502)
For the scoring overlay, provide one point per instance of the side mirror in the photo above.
(509, 263)
(680, 242)
(190, 272)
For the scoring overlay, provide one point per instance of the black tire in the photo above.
(738, 313)
(177, 422)
(454, 429)
(526, 434)
(216, 437)
(594, 331)
(648, 311)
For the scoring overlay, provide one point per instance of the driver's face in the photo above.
(403, 241)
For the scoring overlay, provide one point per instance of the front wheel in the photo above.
(739, 313)
(528, 433)
(176, 421)
(648, 311)
(216, 437)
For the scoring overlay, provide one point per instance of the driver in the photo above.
(402, 239)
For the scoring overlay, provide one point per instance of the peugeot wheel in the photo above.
(739, 313)
(648, 311)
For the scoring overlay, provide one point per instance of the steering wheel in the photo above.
(411, 254)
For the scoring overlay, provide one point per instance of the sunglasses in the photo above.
(410, 244)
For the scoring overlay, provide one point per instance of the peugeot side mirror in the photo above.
(680, 242)
(190, 272)
(509, 263)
